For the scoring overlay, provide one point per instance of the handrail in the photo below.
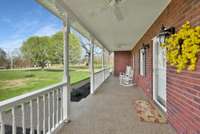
(103, 69)
(100, 77)
(32, 95)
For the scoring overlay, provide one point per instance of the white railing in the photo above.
(40, 111)
(100, 77)
(107, 72)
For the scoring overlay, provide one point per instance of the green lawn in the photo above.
(14, 83)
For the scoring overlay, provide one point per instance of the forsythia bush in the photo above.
(183, 47)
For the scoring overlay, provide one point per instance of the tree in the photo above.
(18, 60)
(43, 50)
(87, 48)
(56, 48)
(36, 49)
(74, 49)
(55, 51)
(3, 58)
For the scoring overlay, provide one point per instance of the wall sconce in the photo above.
(165, 33)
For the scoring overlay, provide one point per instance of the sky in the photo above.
(20, 19)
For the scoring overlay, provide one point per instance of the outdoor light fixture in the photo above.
(146, 46)
(165, 33)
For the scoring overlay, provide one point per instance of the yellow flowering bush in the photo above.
(183, 47)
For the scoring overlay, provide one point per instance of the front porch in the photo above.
(111, 111)
(125, 27)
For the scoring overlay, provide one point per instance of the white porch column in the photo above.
(2, 131)
(91, 66)
(66, 78)
(103, 62)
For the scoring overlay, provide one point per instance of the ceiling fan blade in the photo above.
(112, 3)
(98, 11)
(118, 13)
(122, 1)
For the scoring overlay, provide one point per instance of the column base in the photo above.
(67, 121)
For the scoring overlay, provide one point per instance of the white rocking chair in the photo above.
(126, 79)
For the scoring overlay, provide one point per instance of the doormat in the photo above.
(149, 113)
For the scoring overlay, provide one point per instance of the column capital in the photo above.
(66, 27)
(92, 38)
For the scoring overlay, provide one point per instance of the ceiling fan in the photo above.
(114, 6)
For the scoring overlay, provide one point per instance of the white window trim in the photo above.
(142, 61)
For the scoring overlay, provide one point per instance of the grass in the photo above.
(14, 83)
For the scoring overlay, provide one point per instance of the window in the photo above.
(142, 62)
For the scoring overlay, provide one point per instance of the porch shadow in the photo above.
(111, 111)
(77, 94)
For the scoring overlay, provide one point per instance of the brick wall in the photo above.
(143, 81)
(183, 90)
(121, 60)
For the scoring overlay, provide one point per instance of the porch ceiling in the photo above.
(98, 17)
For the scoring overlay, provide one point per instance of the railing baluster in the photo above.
(13, 121)
(61, 104)
(44, 114)
(23, 118)
(49, 112)
(31, 117)
(38, 115)
(57, 109)
(53, 114)
(2, 129)
(50, 98)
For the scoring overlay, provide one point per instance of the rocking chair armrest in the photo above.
(121, 73)
(127, 78)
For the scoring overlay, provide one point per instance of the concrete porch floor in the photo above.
(111, 111)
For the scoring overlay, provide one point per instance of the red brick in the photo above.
(121, 60)
(183, 90)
